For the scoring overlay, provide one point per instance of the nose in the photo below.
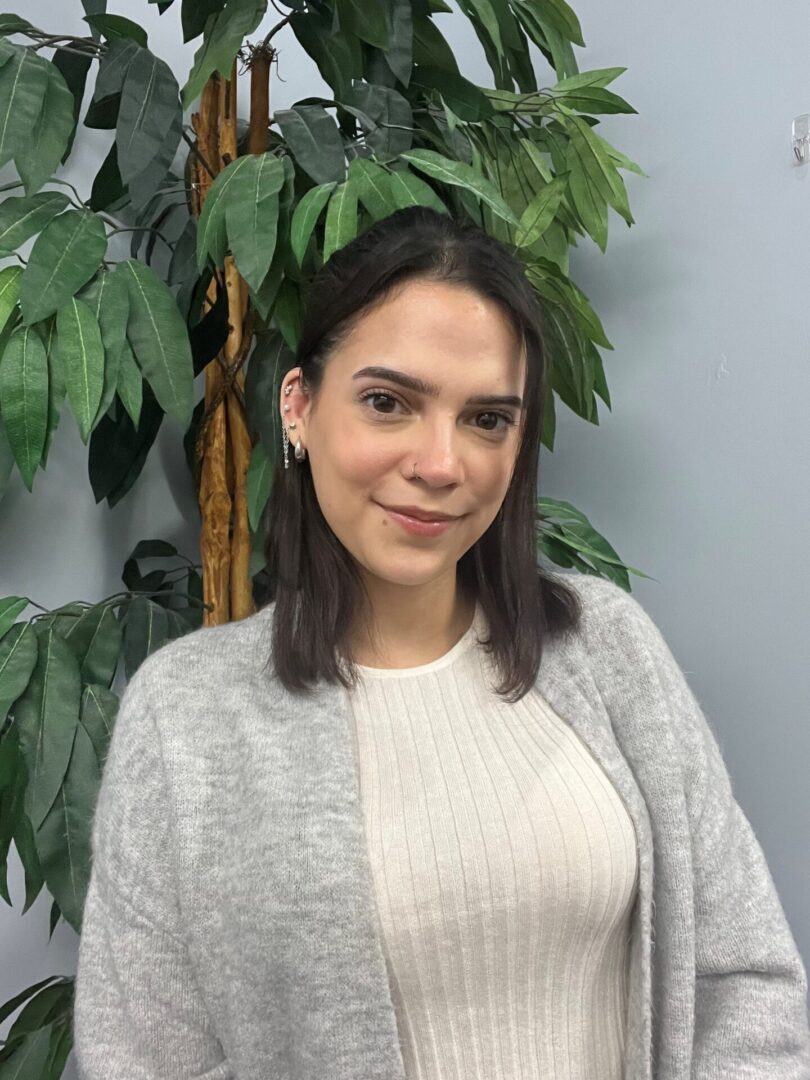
(437, 453)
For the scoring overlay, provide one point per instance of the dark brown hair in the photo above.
(312, 578)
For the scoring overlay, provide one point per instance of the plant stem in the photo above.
(81, 202)
(141, 228)
(193, 148)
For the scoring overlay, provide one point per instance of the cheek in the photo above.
(349, 471)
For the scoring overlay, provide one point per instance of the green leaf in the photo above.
(588, 196)
(94, 7)
(146, 629)
(10, 608)
(82, 354)
(24, 399)
(562, 17)
(117, 26)
(341, 218)
(65, 256)
(130, 384)
(159, 339)
(307, 213)
(29, 1056)
(258, 483)
(148, 117)
(314, 141)
(595, 77)
(9, 292)
(14, 24)
(107, 297)
(384, 106)
(410, 190)
(103, 647)
(224, 34)
(74, 68)
(430, 47)
(47, 714)
(540, 212)
(23, 81)
(364, 19)
(18, 657)
(104, 105)
(373, 185)
(287, 312)
(99, 710)
(194, 15)
(459, 174)
(39, 156)
(118, 451)
(57, 391)
(251, 215)
(63, 840)
(595, 101)
(269, 360)
(22, 217)
(596, 162)
(339, 56)
(468, 101)
(212, 233)
(113, 68)
(108, 187)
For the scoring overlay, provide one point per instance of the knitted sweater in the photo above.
(504, 866)
(230, 929)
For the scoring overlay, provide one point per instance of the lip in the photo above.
(417, 527)
(420, 515)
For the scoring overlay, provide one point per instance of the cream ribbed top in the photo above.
(504, 866)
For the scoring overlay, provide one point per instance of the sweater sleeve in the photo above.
(138, 1012)
(750, 981)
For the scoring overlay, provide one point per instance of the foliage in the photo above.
(121, 339)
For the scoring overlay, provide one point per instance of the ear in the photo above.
(294, 405)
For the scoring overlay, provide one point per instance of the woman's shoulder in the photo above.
(601, 599)
(209, 656)
(615, 628)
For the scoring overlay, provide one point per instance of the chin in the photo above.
(410, 575)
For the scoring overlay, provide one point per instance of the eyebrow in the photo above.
(419, 386)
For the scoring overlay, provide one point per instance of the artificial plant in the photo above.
(229, 208)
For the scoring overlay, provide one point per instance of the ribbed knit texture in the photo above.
(504, 865)
(230, 930)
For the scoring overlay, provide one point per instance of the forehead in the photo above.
(435, 329)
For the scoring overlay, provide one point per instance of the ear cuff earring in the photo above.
(300, 452)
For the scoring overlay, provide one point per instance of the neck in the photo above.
(405, 626)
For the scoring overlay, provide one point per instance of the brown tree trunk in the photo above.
(225, 445)
(214, 490)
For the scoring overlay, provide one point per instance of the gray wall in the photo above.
(699, 474)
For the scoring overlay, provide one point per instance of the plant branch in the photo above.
(276, 29)
(79, 199)
(141, 228)
(193, 148)
(44, 41)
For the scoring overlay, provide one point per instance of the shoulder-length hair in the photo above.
(309, 574)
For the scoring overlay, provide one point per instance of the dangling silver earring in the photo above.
(300, 452)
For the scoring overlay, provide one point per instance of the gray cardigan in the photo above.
(230, 930)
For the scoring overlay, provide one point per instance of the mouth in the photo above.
(416, 514)
(420, 527)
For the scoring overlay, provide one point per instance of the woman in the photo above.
(431, 812)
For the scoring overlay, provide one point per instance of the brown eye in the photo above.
(508, 420)
(368, 394)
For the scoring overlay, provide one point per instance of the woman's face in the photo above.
(363, 446)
